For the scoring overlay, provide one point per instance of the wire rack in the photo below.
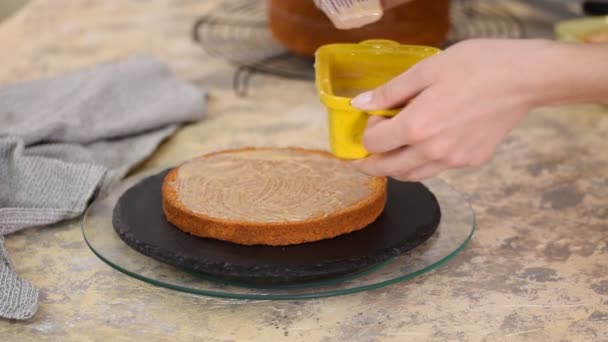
(237, 31)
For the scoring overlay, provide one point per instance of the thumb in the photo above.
(394, 93)
(373, 121)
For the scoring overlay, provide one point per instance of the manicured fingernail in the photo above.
(362, 101)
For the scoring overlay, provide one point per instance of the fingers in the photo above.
(394, 164)
(426, 171)
(373, 121)
(395, 92)
(390, 134)
(416, 162)
(405, 164)
(414, 124)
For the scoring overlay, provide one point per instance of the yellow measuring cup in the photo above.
(343, 71)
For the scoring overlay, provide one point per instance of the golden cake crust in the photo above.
(345, 220)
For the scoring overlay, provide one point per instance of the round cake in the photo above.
(302, 28)
(271, 196)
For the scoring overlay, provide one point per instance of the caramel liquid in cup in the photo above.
(350, 14)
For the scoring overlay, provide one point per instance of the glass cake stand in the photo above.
(452, 235)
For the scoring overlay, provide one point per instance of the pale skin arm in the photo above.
(467, 99)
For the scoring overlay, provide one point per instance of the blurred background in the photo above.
(8, 7)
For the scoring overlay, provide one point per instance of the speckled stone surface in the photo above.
(536, 269)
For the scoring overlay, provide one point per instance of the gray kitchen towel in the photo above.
(65, 139)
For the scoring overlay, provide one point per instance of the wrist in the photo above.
(570, 73)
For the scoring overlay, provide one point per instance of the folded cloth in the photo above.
(66, 138)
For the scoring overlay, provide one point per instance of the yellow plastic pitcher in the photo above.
(346, 70)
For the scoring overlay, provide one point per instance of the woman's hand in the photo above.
(464, 102)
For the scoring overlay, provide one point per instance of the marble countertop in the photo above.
(536, 268)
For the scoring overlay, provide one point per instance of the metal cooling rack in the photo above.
(237, 31)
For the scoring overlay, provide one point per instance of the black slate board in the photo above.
(410, 217)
